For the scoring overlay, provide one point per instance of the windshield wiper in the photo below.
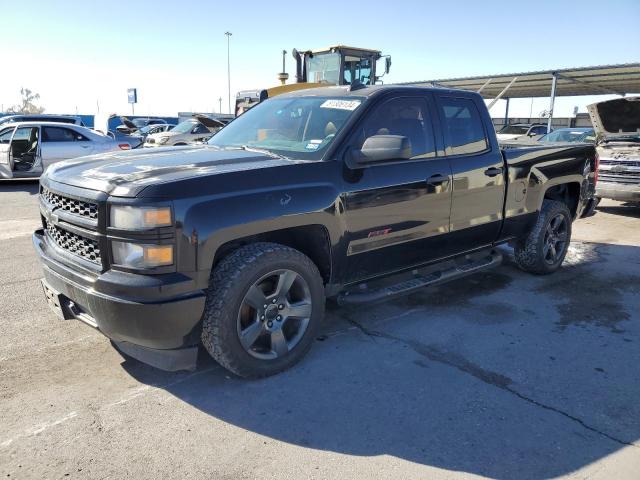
(262, 150)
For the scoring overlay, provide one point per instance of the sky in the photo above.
(81, 56)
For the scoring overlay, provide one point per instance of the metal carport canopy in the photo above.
(606, 79)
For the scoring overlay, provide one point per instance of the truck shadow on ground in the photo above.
(28, 185)
(626, 209)
(543, 389)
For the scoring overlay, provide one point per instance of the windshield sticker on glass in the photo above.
(312, 146)
(341, 104)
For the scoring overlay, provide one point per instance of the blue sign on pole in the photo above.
(132, 94)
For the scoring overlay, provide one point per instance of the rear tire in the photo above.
(543, 250)
(264, 306)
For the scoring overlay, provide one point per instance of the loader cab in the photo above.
(339, 65)
(336, 65)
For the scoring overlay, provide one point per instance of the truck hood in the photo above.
(127, 173)
(614, 118)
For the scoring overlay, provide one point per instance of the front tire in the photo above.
(264, 306)
(543, 250)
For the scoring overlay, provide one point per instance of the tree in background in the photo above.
(27, 105)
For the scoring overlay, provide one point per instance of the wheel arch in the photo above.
(567, 192)
(312, 240)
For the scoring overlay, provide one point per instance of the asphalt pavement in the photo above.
(500, 375)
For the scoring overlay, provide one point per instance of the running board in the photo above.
(419, 281)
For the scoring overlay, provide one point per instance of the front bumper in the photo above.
(621, 192)
(153, 318)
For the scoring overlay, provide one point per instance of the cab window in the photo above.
(463, 126)
(406, 116)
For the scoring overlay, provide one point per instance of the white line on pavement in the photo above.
(35, 430)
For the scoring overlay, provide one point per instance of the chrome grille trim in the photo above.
(78, 245)
(76, 207)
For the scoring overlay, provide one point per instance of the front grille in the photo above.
(633, 178)
(626, 163)
(71, 205)
(78, 245)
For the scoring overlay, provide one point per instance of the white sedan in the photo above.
(28, 148)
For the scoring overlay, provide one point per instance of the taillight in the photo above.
(595, 177)
(124, 146)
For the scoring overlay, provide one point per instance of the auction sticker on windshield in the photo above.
(341, 104)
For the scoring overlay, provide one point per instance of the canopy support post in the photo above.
(554, 82)
(506, 113)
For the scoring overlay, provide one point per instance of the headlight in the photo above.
(163, 140)
(139, 218)
(135, 255)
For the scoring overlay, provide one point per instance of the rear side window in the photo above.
(463, 126)
(60, 134)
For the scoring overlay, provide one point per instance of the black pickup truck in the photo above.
(355, 194)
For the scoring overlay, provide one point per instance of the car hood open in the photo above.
(127, 173)
(619, 117)
(208, 122)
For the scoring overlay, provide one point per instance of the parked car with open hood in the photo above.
(521, 131)
(27, 149)
(195, 130)
(131, 126)
(617, 126)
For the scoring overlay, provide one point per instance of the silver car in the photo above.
(28, 148)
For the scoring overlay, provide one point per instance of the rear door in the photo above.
(477, 169)
(6, 160)
(62, 143)
(397, 212)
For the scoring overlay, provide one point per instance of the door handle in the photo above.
(493, 171)
(437, 179)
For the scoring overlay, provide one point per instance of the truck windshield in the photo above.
(295, 127)
(324, 68)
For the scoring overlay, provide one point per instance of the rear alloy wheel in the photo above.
(263, 309)
(546, 245)
(555, 239)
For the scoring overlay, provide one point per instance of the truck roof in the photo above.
(347, 91)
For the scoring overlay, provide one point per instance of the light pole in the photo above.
(220, 104)
(228, 34)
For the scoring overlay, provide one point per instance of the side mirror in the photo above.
(380, 148)
(387, 64)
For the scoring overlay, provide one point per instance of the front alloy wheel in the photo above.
(274, 314)
(263, 310)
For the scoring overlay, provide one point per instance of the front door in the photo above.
(24, 150)
(397, 212)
